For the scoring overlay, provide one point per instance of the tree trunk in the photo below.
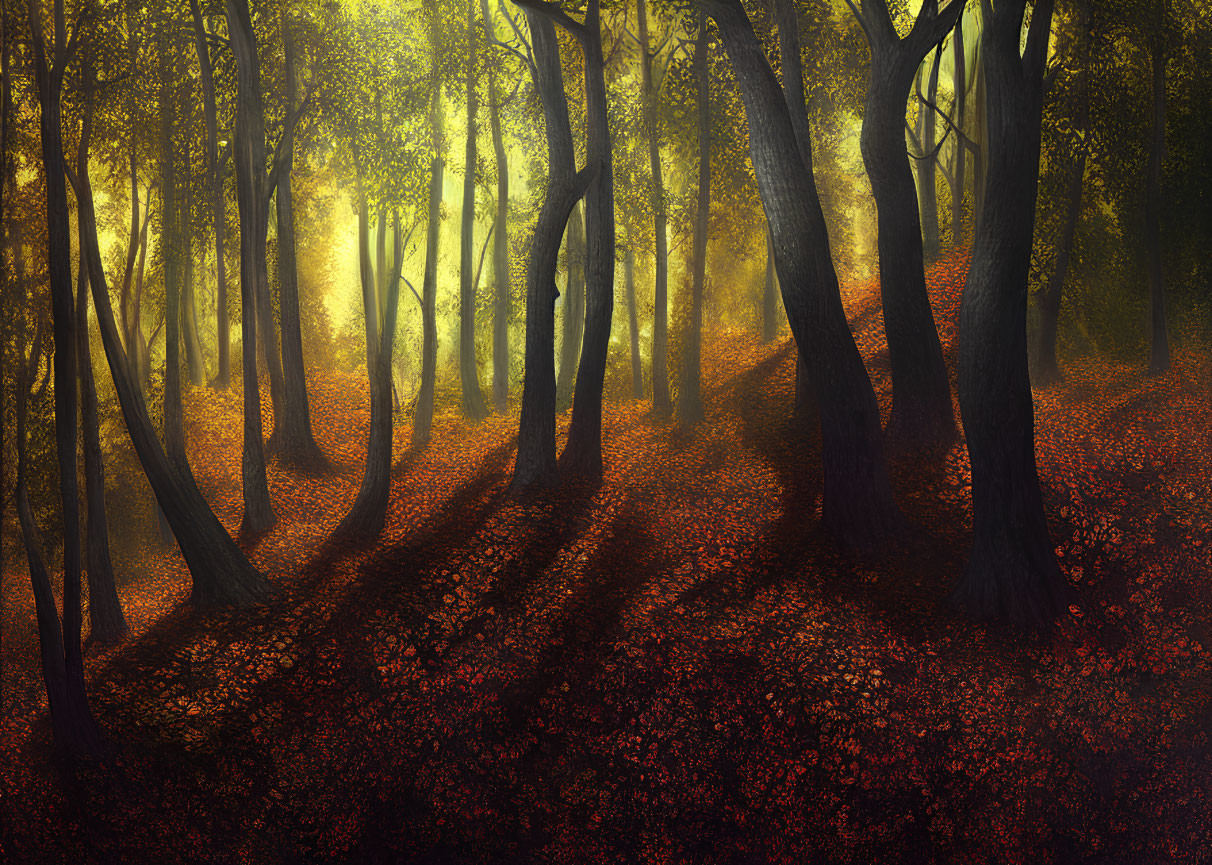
(857, 506)
(474, 406)
(770, 299)
(75, 730)
(690, 401)
(959, 177)
(259, 514)
(422, 423)
(582, 455)
(1012, 572)
(107, 624)
(536, 461)
(214, 186)
(927, 182)
(660, 326)
(171, 224)
(500, 243)
(296, 442)
(573, 331)
(633, 323)
(1159, 340)
(185, 240)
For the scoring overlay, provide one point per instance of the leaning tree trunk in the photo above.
(573, 331)
(536, 461)
(422, 423)
(500, 243)
(660, 325)
(474, 406)
(259, 514)
(633, 323)
(296, 442)
(221, 573)
(582, 455)
(690, 401)
(1012, 572)
(922, 416)
(107, 624)
(857, 506)
(74, 728)
(1159, 339)
(214, 186)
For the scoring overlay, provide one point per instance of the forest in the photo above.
(510, 431)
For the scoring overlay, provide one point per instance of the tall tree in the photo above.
(62, 657)
(536, 464)
(1012, 572)
(473, 398)
(857, 506)
(922, 416)
(500, 244)
(573, 330)
(423, 414)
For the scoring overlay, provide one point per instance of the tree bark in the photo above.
(927, 174)
(1159, 339)
(690, 401)
(573, 331)
(1012, 572)
(474, 406)
(296, 442)
(171, 224)
(661, 402)
(214, 186)
(422, 423)
(76, 733)
(770, 300)
(536, 464)
(959, 177)
(922, 416)
(857, 506)
(633, 323)
(500, 243)
(259, 515)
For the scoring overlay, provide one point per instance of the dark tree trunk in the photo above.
(927, 175)
(142, 359)
(536, 461)
(185, 243)
(690, 401)
(6, 313)
(922, 417)
(1159, 339)
(259, 514)
(214, 187)
(661, 402)
(422, 423)
(959, 177)
(980, 133)
(365, 519)
(296, 443)
(76, 733)
(573, 331)
(474, 406)
(633, 323)
(171, 223)
(770, 298)
(107, 624)
(1012, 572)
(858, 507)
(582, 455)
(500, 244)
(1047, 370)
(221, 573)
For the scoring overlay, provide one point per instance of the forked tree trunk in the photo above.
(857, 505)
(573, 330)
(690, 401)
(536, 461)
(1012, 572)
(660, 324)
(259, 515)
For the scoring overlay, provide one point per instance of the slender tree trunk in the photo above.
(214, 187)
(536, 461)
(185, 239)
(1159, 339)
(960, 85)
(633, 323)
(474, 406)
(75, 730)
(500, 243)
(171, 237)
(107, 624)
(573, 332)
(661, 402)
(770, 299)
(980, 132)
(690, 402)
(259, 514)
(857, 506)
(422, 423)
(1012, 572)
(296, 442)
(582, 455)
(927, 176)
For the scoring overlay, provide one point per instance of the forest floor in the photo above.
(674, 667)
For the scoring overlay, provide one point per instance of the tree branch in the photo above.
(555, 13)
